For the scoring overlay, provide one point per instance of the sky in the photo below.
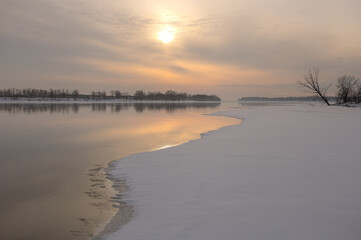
(231, 48)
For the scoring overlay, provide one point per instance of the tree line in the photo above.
(32, 93)
(173, 96)
(66, 94)
(348, 87)
(286, 99)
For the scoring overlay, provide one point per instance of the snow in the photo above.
(286, 172)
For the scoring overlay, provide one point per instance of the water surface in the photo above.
(52, 178)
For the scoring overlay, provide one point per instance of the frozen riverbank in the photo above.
(285, 173)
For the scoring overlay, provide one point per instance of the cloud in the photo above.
(275, 86)
(218, 45)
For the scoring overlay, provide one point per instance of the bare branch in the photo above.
(311, 82)
(346, 86)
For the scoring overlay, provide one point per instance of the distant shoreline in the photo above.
(80, 101)
(289, 99)
(139, 95)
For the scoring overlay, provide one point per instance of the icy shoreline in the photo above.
(284, 173)
(125, 210)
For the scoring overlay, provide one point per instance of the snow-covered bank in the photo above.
(285, 173)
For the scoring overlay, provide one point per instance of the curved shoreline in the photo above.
(125, 211)
(253, 182)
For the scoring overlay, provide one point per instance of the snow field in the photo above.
(291, 172)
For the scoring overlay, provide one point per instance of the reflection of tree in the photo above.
(75, 108)
(99, 107)
(139, 107)
(172, 107)
(119, 107)
(66, 108)
(15, 108)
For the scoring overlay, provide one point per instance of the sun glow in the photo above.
(166, 35)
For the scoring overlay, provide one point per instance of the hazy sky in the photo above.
(231, 48)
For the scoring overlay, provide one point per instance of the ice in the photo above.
(291, 172)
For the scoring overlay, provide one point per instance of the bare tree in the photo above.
(139, 95)
(311, 82)
(356, 94)
(346, 86)
(117, 94)
(75, 93)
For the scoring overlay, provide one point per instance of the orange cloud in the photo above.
(192, 73)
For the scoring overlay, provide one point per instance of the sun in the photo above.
(166, 35)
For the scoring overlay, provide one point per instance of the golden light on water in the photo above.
(166, 146)
(166, 35)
